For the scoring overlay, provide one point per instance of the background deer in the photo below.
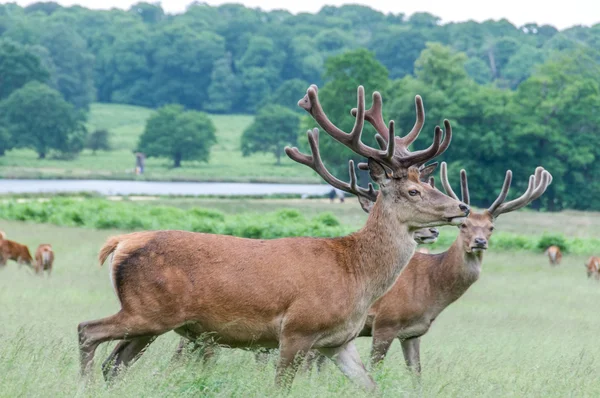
(291, 293)
(593, 267)
(11, 250)
(554, 255)
(44, 258)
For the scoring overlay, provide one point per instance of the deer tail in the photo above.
(108, 248)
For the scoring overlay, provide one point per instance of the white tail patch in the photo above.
(45, 257)
(111, 275)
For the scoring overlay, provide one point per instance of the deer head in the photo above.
(396, 170)
(477, 228)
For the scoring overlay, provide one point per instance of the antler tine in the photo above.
(445, 183)
(374, 115)
(521, 201)
(464, 187)
(352, 140)
(414, 132)
(505, 188)
(542, 184)
(420, 157)
(314, 162)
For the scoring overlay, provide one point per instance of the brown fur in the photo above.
(291, 293)
(295, 293)
(44, 258)
(593, 267)
(423, 250)
(554, 255)
(11, 250)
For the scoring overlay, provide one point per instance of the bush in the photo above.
(548, 239)
(98, 141)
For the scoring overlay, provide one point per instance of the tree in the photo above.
(343, 74)
(37, 117)
(224, 87)
(98, 141)
(177, 134)
(273, 128)
(288, 94)
(18, 66)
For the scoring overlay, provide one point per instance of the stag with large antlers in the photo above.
(430, 283)
(291, 293)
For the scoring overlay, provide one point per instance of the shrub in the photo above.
(548, 239)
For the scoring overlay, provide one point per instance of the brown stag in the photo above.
(291, 293)
(44, 258)
(554, 255)
(593, 267)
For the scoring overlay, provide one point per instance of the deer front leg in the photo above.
(411, 348)
(348, 361)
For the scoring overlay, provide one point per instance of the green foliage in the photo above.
(38, 118)
(179, 135)
(18, 66)
(98, 141)
(273, 128)
(104, 214)
(548, 240)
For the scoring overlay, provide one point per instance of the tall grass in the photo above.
(523, 330)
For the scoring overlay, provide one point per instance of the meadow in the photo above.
(524, 329)
(125, 124)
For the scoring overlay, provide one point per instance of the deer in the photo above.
(44, 258)
(430, 283)
(11, 250)
(554, 255)
(297, 293)
(592, 267)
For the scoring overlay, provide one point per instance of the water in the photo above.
(113, 187)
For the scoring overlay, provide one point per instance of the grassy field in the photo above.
(125, 124)
(524, 329)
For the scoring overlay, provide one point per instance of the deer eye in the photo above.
(491, 228)
(413, 192)
(463, 226)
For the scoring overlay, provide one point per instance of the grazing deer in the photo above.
(593, 267)
(11, 250)
(292, 293)
(44, 258)
(554, 255)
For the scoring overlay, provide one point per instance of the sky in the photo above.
(561, 14)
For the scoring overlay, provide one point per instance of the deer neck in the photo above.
(383, 248)
(458, 271)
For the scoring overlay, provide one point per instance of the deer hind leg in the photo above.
(383, 337)
(120, 326)
(292, 351)
(313, 357)
(125, 354)
(348, 361)
(411, 348)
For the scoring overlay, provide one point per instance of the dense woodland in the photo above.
(517, 96)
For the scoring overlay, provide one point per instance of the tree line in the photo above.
(516, 96)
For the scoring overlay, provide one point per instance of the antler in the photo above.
(538, 184)
(392, 157)
(374, 116)
(314, 162)
(464, 184)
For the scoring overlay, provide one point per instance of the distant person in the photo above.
(341, 195)
(332, 195)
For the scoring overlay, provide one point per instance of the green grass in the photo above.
(524, 329)
(125, 124)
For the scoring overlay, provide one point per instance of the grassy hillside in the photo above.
(125, 124)
(506, 337)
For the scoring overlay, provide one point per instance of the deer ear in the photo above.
(366, 204)
(427, 171)
(378, 172)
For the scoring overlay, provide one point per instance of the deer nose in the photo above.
(480, 241)
(434, 231)
(464, 208)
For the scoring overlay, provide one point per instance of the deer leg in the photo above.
(125, 353)
(261, 356)
(292, 350)
(116, 327)
(382, 340)
(411, 348)
(313, 356)
(348, 361)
